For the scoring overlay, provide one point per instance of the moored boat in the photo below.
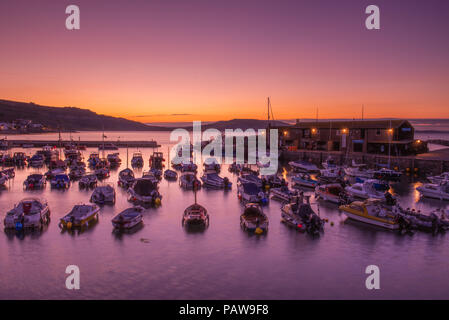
(284, 194)
(250, 192)
(213, 180)
(80, 216)
(28, 213)
(103, 195)
(88, 181)
(137, 160)
(333, 192)
(303, 166)
(188, 180)
(300, 215)
(128, 218)
(253, 219)
(35, 181)
(435, 191)
(126, 178)
(304, 180)
(144, 191)
(60, 181)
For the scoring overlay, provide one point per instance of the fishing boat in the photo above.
(366, 190)
(333, 192)
(103, 195)
(253, 219)
(189, 167)
(235, 167)
(303, 166)
(35, 181)
(249, 177)
(126, 178)
(196, 214)
(188, 180)
(128, 218)
(114, 159)
(284, 193)
(102, 172)
(88, 181)
(213, 180)
(157, 161)
(211, 164)
(157, 173)
(304, 180)
(439, 179)
(80, 216)
(137, 160)
(93, 160)
(170, 175)
(28, 213)
(36, 161)
(76, 173)
(144, 191)
(251, 192)
(60, 181)
(50, 174)
(371, 212)
(7, 160)
(19, 158)
(300, 215)
(435, 191)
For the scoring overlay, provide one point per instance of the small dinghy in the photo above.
(213, 180)
(188, 180)
(170, 175)
(77, 173)
(88, 181)
(303, 166)
(196, 214)
(188, 167)
(250, 192)
(253, 219)
(410, 219)
(144, 191)
(283, 194)
(10, 173)
(34, 181)
(28, 213)
(102, 172)
(126, 178)
(304, 180)
(300, 215)
(128, 218)
(150, 175)
(103, 195)
(137, 160)
(80, 216)
(60, 181)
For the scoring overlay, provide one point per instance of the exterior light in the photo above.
(313, 130)
(390, 131)
(285, 133)
(345, 131)
(418, 141)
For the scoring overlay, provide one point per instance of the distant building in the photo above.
(368, 136)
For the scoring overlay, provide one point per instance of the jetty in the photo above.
(87, 143)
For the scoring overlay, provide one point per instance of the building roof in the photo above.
(357, 124)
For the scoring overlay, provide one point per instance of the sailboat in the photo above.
(196, 214)
(170, 174)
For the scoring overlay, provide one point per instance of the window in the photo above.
(378, 132)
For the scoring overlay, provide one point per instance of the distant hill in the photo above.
(76, 119)
(67, 118)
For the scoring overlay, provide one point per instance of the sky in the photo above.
(185, 60)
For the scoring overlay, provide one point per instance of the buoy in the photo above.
(267, 187)
(332, 223)
(407, 169)
(157, 201)
(19, 226)
(69, 225)
(258, 231)
(416, 169)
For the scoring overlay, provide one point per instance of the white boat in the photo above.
(365, 190)
(385, 173)
(103, 195)
(436, 191)
(440, 178)
(303, 166)
(249, 177)
(329, 163)
(359, 170)
(34, 181)
(195, 215)
(170, 174)
(37, 161)
(144, 191)
(283, 193)
(331, 174)
(211, 164)
(28, 213)
(128, 218)
(304, 180)
(213, 180)
(88, 181)
(80, 216)
(253, 219)
(126, 178)
(371, 212)
(188, 180)
(250, 192)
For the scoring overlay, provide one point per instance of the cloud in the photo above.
(163, 115)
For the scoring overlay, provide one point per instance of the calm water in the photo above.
(223, 262)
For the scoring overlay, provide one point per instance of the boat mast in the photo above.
(390, 134)
(103, 140)
(127, 157)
